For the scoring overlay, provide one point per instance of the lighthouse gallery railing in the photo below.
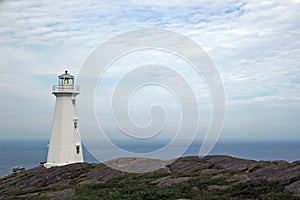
(65, 88)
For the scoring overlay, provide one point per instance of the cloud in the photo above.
(254, 44)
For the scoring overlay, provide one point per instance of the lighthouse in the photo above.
(65, 144)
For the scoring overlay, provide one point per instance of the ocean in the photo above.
(28, 153)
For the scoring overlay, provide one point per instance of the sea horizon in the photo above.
(29, 153)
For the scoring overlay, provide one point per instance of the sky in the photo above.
(255, 46)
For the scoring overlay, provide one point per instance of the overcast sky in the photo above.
(255, 46)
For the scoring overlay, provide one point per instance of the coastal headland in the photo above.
(210, 177)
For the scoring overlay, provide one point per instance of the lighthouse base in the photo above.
(48, 165)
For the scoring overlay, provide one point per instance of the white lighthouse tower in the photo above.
(65, 144)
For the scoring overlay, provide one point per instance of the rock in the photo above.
(193, 163)
(57, 176)
(294, 188)
(211, 171)
(240, 178)
(277, 172)
(195, 188)
(137, 165)
(168, 181)
(218, 187)
(188, 164)
(60, 195)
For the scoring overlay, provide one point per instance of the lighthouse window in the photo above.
(66, 81)
(77, 149)
(75, 124)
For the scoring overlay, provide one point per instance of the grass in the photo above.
(139, 187)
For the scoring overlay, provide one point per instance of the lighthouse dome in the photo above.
(66, 75)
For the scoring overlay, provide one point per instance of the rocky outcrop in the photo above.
(65, 176)
(193, 163)
(287, 174)
(169, 181)
(59, 182)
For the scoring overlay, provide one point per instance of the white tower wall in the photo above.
(65, 144)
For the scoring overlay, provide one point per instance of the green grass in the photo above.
(139, 187)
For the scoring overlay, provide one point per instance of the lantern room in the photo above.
(65, 85)
(66, 79)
